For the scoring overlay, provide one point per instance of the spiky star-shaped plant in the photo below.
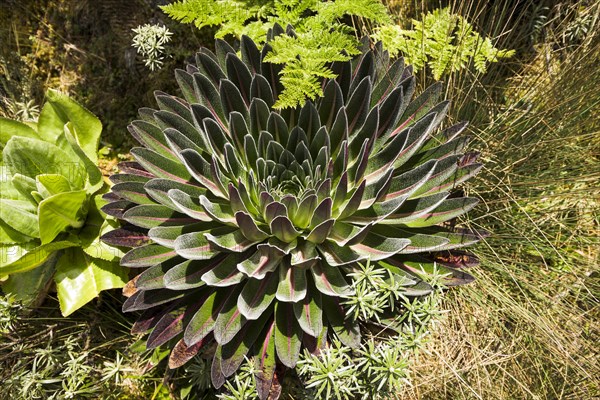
(249, 219)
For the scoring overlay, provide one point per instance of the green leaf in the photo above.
(233, 353)
(10, 128)
(9, 235)
(309, 313)
(257, 295)
(87, 127)
(60, 212)
(265, 362)
(10, 188)
(30, 287)
(292, 283)
(288, 335)
(20, 260)
(51, 184)
(20, 215)
(203, 322)
(92, 175)
(80, 278)
(147, 256)
(32, 157)
(346, 329)
(50, 124)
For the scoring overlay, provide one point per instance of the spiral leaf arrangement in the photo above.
(248, 220)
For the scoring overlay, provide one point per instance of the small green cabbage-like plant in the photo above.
(50, 219)
(249, 220)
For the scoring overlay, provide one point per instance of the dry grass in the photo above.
(528, 329)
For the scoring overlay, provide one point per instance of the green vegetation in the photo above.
(244, 216)
(322, 35)
(444, 41)
(319, 37)
(50, 221)
(526, 328)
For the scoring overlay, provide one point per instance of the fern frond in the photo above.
(231, 14)
(443, 41)
(373, 10)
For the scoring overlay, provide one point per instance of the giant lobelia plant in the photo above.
(249, 221)
(50, 222)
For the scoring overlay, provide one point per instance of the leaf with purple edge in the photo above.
(230, 319)
(330, 281)
(292, 283)
(147, 256)
(234, 352)
(265, 362)
(126, 236)
(152, 215)
(288, 335)
(346, 329)
(257, 295)
(203, 321)
(309, 312)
